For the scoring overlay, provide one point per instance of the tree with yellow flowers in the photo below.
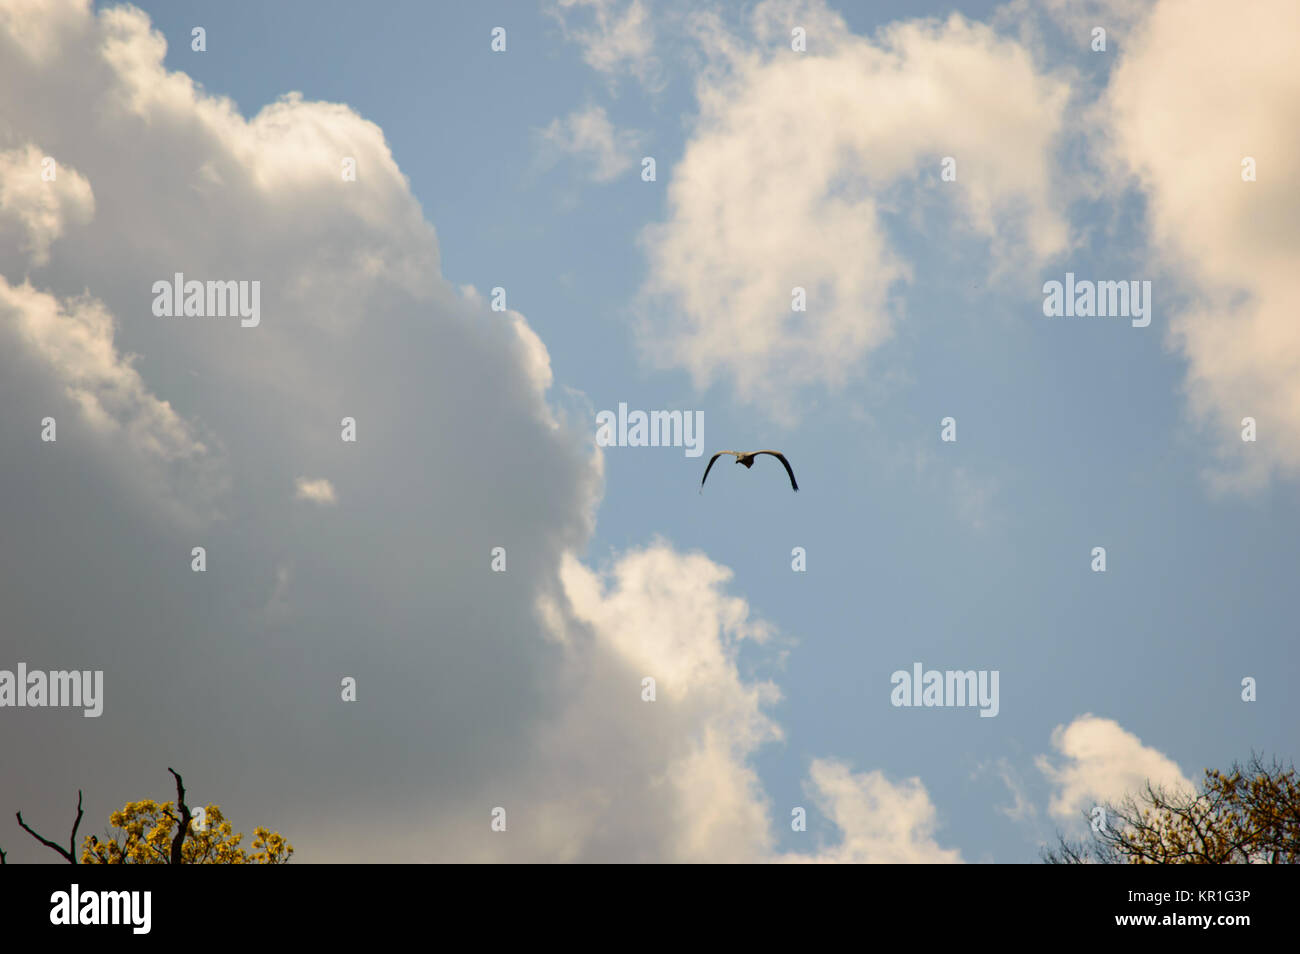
(162, 833)
(1247, 815)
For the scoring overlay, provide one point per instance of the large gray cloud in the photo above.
(174, 433)
(328, 559)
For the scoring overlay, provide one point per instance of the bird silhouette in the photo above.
(748, 460)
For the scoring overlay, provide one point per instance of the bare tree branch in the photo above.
(1245, 815)
(178, 842)
(67, 854)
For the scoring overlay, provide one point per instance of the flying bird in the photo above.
(748, 461)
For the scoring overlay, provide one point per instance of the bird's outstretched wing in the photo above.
(781, 457)
(710, 467)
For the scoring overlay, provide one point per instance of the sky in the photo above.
(461, 249)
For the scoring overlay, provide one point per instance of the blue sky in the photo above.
(975, 554)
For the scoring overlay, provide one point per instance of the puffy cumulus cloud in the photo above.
(535, 363)
(615, 777)
(1099, 761)
(618, 778)
(588, 135)
(882, 822)
(233, 675)
(794, 160)
(1198, 88)
(475, 689)
(36, 24)
(36, 206)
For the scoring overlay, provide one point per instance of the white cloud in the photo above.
(613, 777)
(587, 134)
(882, 822)
(1199, 86)
(39, 23)
(618, 36)
(34, 212)
(1099, 761)
(680, 765)
(793, 161)
(318, 491)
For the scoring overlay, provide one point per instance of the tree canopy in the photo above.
(161, 833)
(1247, 815)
